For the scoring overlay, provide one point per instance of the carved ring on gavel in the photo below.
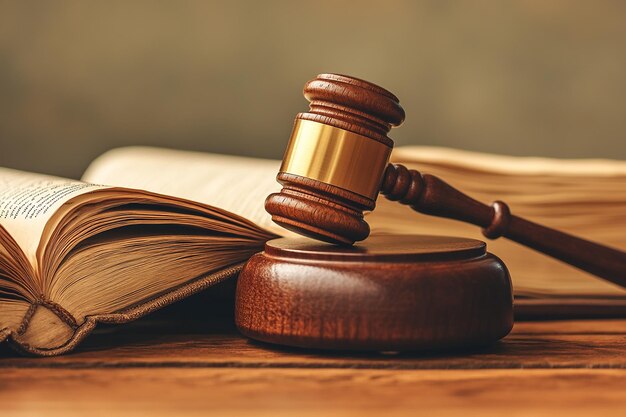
(337, 162)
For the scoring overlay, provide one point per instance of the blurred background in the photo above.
(530, 77)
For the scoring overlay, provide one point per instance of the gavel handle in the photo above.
(430, 195)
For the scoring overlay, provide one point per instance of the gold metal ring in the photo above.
(337, 157)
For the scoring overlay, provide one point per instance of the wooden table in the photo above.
(156, 368)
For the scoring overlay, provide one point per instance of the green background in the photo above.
(516, 77)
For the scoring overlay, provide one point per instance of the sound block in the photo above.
(388, 293)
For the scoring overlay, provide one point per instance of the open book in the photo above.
(76, 253)
(73, 254)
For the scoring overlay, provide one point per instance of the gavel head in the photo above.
(336, 159)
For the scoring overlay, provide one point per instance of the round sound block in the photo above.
(388, 293)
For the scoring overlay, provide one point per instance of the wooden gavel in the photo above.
(337, 162)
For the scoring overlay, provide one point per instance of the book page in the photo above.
(584, 197)
(237, 184)
(28, 201)
(509, 165)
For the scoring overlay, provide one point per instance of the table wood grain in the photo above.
(158, 367)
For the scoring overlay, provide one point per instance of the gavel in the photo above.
(390, 292)
(337, 162)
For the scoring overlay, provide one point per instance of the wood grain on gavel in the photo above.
(337, 163)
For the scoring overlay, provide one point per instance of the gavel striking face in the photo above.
(336, 163)
(336, 159)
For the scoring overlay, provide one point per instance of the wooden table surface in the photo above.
(154, 368)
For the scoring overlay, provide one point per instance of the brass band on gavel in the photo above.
(337, 157)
